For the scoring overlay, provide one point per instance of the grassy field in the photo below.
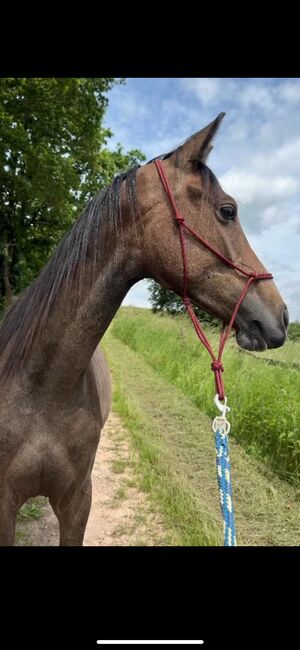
(264, 398)
(288, 354)
(176, 466)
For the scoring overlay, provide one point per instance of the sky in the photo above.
(256, 155)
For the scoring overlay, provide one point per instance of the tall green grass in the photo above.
(264, 398)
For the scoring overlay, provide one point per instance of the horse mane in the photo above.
(67, 267)
(73, 263)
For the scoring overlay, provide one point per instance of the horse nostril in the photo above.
(285, 315)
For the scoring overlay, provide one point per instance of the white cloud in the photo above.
(138, 295)
(272, 214)
(289, 91)
(251, 188)
(262, 94)
(281, 159)
(255, 94)
(207, 91)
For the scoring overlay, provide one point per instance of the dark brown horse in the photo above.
(55, 390)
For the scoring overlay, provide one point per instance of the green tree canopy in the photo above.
(53, 159)
(167, 301)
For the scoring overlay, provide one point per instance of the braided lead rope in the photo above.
(221, 427)
(225, 490)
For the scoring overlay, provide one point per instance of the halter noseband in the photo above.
(216, 365)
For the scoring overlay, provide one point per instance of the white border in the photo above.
(200, 642)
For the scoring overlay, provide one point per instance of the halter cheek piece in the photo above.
(216, 365)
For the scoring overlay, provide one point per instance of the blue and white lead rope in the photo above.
(225, 491)
(221, 428)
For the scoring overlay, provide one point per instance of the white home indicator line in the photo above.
(151, 642)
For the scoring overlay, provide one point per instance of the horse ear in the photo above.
(199, 146)
(206, 153)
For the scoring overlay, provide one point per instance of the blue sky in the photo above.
(256, 155)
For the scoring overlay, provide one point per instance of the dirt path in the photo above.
(120, 515)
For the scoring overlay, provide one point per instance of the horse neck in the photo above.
(71, 336)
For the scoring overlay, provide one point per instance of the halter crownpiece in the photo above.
(216, 365)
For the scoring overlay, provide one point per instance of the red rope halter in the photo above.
(216, 365)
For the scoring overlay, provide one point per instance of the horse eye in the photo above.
(228, 212)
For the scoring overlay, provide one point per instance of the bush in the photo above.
(294, 331)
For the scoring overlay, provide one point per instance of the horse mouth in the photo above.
(251, 338)
(257, 338)
(256, 334)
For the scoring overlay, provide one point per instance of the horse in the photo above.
(55, 386)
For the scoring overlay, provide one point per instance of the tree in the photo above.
(294, 331)
(53, 159)
(168, 302)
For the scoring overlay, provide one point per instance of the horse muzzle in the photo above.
(262, 330)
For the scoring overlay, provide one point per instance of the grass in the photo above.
(119, 497)
(176, 462)
(32, 509)
(289, 353)
(265, 413)
(118, 466)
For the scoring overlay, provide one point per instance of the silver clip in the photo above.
(220, 422)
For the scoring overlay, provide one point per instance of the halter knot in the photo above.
(186, 301)
(179, 219)
(217, 365)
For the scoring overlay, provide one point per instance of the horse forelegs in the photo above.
(74, 516)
